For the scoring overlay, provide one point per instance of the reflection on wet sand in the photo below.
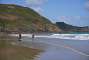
(56, 49)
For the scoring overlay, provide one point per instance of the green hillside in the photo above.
(14, 18)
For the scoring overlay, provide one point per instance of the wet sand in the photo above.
(58, 49)
(13, 50)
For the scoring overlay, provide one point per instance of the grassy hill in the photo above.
(22, 19)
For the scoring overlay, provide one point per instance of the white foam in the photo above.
(60, 36)
(71, 36)
(27, 35)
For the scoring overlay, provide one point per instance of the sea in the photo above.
(69, 46)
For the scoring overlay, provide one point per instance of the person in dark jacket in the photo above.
(33, 36)
(19, 37)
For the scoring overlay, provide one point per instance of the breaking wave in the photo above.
(71, 36)
(60, 36)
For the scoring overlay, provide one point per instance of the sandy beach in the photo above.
(53, 48)
(12, 49)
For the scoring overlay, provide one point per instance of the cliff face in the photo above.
(69, 28)
(22, 19)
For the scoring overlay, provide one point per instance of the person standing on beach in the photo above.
(33, 36)
(19, 37)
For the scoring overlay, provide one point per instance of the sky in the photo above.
(74, 12)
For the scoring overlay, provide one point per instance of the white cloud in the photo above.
(75, 20)
(71, 18)
(87, 5)
(37, 9)
(66, 18)
(36, 4)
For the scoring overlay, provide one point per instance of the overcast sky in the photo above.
(70, 11)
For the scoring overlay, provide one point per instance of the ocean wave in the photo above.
(71, 36)
(60, 36)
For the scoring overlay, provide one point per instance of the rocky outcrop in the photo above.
(69, 28)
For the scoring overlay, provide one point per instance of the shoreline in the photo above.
(55, 46)
(59, 36)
